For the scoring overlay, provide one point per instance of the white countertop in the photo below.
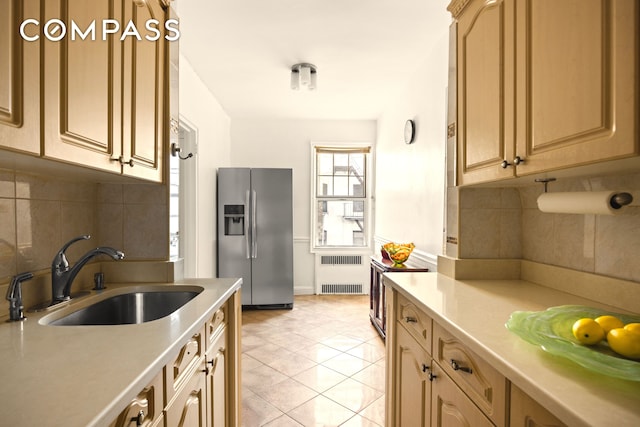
(475, 311)
(85, 375)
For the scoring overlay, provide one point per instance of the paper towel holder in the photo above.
(617, 200)
(545, 181)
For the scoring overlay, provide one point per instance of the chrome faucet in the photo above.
(62, 275)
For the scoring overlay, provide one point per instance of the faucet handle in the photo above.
(60, 262)
(14, 296)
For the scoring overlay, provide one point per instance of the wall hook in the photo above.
(545, 181)
(175, 152)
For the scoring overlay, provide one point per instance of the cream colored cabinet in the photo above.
(527, 412)
(145, 409)
(484, 385)
(19, 79)
(450, 407)
(104, 97)
(412, 390)
(536, 94)
(200, 386)
(82, 102)
(188, 408)
(216, 381)
(485, 84)
(145, 113)
(434, 379)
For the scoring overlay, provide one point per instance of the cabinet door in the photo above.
(188, 408)
(450, 407)
(82, 87)
(145, 116)
(526, 412)
(216, 382)
(413, 388)
(145, 409)
(485, 91)
(577, 63)
(19, 78)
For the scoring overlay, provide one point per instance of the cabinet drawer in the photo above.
(479, 380)
(416, 321)
(145, 409)
(178, 371)
(215, 325)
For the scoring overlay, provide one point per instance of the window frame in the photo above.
(367, 199)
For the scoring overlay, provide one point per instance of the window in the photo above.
(340, 199)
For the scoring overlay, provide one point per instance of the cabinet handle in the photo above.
(121, 160)
(516, 161)
(410, 319)
(425, 367)
(432, 376)
(456, 367)
(139, 419)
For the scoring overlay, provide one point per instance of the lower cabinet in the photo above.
(216, 381)
(434, 379)
(450, 407)
(413, 387)
(188, 408)
(527, 412)
(145, 409)
(200, 385)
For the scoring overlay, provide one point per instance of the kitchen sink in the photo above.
(134, 307)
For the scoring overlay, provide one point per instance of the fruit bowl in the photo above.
(398, 252)
(551, 330)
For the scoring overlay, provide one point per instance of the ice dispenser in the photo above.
(233, 220)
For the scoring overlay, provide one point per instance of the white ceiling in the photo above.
(365, 51)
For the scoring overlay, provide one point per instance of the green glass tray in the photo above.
(551, 330)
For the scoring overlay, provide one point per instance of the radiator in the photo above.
(342, 274)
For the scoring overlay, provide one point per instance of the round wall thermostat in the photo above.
(409, 131)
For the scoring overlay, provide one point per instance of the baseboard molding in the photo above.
(303, 290)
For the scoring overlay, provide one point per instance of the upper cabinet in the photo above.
(544, 85)
(101, 87)
(82, 88)
(19, 79)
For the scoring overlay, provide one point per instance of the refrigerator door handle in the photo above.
(254, 226)
(246, 228)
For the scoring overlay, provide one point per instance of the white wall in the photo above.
(410, 178)
(286, 144)
(201, 110)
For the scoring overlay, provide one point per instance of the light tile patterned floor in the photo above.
(319, 364)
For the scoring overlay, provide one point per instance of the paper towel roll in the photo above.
(585, 202)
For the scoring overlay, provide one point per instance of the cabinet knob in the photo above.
(139, 419)
(121, 160)
(425, 367)
(456, 367)
(516, 161)
(432, 376)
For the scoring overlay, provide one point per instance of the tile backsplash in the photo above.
(38, 214)
(506, 223)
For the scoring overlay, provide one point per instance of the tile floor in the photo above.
(319, 364)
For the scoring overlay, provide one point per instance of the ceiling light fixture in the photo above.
(303, 76)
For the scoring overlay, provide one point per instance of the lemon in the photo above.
(624, 342)
(633, 327)
(609, 322)
(588, 331)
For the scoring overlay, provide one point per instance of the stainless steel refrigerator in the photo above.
(255, 233)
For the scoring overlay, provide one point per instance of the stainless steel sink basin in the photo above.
(129, 308)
